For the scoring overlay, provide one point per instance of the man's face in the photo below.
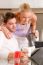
(25, 17)
(11, 25)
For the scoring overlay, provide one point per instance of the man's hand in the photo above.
(10, 57)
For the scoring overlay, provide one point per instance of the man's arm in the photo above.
(4, 52)
(2, 49)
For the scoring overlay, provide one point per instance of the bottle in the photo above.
(17, 58)
(24, 57)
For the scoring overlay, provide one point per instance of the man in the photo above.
(8, 46)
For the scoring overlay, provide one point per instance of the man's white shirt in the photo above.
(7, 45)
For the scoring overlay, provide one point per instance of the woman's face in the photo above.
(25, 17)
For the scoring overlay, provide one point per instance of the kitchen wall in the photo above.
(17, 3)
(40, 25)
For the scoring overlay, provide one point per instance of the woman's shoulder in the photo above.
(1, 35)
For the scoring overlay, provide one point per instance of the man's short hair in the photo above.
(8, 15)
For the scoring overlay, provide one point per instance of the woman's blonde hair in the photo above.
(25, 7)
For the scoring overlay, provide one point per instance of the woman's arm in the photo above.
(5, 31)
(33, 23)
(0, 28)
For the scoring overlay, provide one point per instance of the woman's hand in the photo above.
(0, 28)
